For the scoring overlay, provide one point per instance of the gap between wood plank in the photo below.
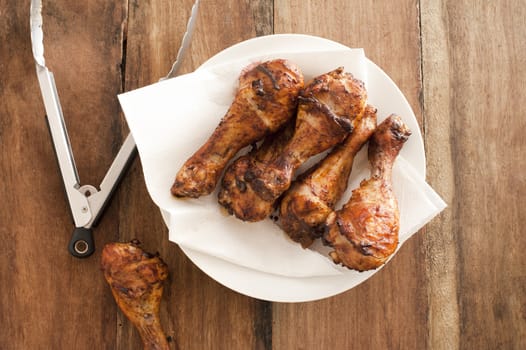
(263, 14)
(263, 325)
(124, 45)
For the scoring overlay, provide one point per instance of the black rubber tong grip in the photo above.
(82, 244)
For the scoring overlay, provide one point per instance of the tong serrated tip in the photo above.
(185, 41)
(37, 35)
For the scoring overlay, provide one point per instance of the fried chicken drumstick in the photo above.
(364, 233)
(136, 278)
(265, 100)
(306, 205)
(236, 194)
(326, 112)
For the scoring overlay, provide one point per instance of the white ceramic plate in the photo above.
(384, 95)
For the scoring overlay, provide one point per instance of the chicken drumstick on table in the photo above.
(136, 278)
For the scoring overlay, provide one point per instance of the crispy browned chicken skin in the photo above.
(136, 278)
(326, 112)
(236, 194)
(306, 205)
(364, 233)
(265, 100)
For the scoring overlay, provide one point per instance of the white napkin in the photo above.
(169, 120)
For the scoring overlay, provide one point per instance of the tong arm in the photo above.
(185, 41)
(80, 208)
(99, 199)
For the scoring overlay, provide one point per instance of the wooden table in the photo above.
(458, 283)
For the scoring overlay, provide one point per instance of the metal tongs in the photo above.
(86, 202)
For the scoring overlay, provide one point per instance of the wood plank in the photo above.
(197, 312)
(391, 41)
(50, 299)
(459, 284)
(474, 70)
(389, 310)
(441, 241)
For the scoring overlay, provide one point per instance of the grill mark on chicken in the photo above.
(313, 103)
(270, 75)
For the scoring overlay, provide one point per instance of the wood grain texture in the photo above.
(48, 298)
(474, 70)
(198, 313)
(458, 284)
(440, 241)
(375, 314)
